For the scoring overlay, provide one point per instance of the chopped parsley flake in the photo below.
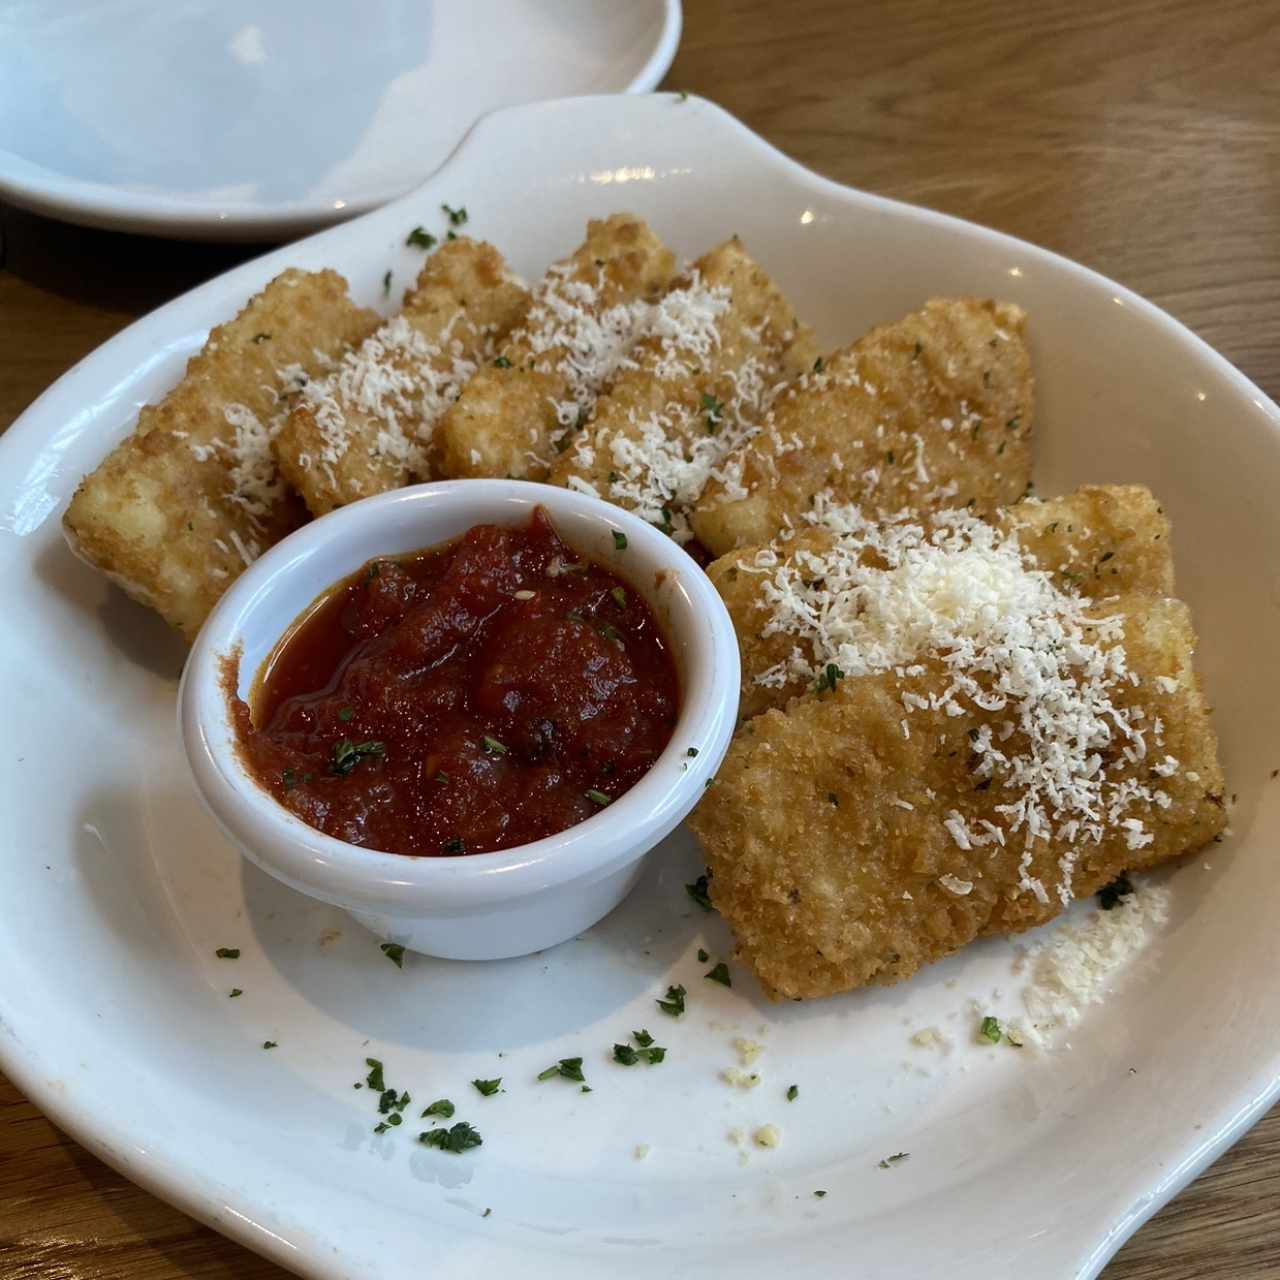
(990, 1029)
(894, 1159)
(235, 991)
(487, 1088)
(454, 846)
(619, 541)
(642, 1038)
(386, 284)
(817, 365)
(346, 714)
(568, 1068)
(793, 1092)
(714, 409)
(619, 597)
(228, 953)
(374, 1079)
(441, 777)
(625, 1054)
(703, 955)
(420, 238)
(698, 892)
(270, 1044)
(456, 216)
(693, 751)
(655, 1055)
(673, 1004)
(462, 1137)
(719, 973)
(1109, 895)
(394, 952)
(492, 747)
(597, 797)
(819, 1194)
(348, 754)
(440, 1107)
(502, 363)
(830, 675)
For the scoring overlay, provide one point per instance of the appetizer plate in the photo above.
(239, 120)
(116, 890)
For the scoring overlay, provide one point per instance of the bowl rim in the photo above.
(347, 874)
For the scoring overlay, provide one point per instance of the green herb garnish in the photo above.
(394, 952)
(374, 1079)
(714, 409)
(619, 540)
(619, 597)
(228, 953)
(454, 846)
(597, 797)
(420, 238)
(625, 1054)
(691, 752)
(456, 216)
(719, 973)
(703, 955)
(698, 892)
(1109, 895)
(568, 1068)
(674, 1002)
(817, 365)
(440, 1107)
(348, 754)
(894, 1159)
(492, 747)
(793, 1092)
(642, 1038)
(502, 363)
(462, 1137)
(990, 1029)
(386, 284)
(235, 991)
(487, 1088)
(270, 1044)
(346, 714)
(831, 674)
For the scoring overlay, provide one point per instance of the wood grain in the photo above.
(1141, 138)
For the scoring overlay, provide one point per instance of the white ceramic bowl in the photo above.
(485, 906)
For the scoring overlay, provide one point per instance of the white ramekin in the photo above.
(482, 906)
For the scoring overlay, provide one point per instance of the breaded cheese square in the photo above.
(546, 376)
(181, 506)
(720, 343)
(932, 411)
(367, 425)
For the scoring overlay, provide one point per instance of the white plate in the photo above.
(253, 120)
(116, 889)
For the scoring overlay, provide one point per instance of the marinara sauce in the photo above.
(462, 699)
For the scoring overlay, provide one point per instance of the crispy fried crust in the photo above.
(1102, 540)
(933, 411)
(505, 422)
(830, 884)
(162, 515)
(373, 431)
(695, 390)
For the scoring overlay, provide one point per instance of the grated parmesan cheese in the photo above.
(1078, 964)
(890, 592)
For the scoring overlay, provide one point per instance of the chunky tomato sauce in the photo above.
(467, 698)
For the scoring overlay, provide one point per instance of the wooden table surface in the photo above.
(1141, 138)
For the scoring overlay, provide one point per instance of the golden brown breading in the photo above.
(508, 418)
(367, 426)
(1101, 540)
(177, 509)
(725, 338)
(931, 412)
(824, 830)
